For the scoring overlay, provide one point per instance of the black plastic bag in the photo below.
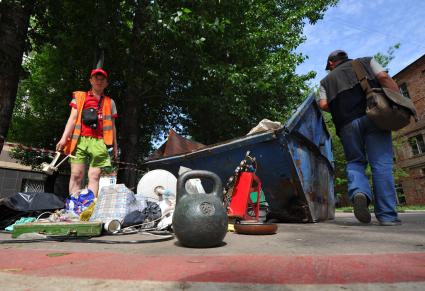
(151, 213)
(27, 204)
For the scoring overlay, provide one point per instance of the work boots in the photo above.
(361, 210)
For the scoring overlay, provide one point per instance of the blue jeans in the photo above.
(364, 143)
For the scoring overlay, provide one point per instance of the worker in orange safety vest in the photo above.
(88, 133)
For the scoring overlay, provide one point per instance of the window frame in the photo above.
(417, 144)
(404, 90)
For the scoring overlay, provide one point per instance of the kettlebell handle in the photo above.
(193, 174)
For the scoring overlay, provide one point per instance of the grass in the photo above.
(400, 208)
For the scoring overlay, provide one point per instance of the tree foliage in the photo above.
(14, 22)
(385, 58)
(244, 69)
(209, 69)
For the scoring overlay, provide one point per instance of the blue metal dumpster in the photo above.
(294, 164)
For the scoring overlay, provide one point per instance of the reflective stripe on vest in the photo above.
(108, 133)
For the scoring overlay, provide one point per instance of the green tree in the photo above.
(235, 63)
(66, 39)
(385, 58)
(209, 68)
(14, 21)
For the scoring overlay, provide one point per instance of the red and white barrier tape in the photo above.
(46, 151)
(125, 163)
(30, 149)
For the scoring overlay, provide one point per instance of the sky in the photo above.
(363, 28)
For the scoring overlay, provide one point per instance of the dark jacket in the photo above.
(345, 96)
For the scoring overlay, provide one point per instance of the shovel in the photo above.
(50, 168)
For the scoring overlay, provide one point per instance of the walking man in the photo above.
(342, 95)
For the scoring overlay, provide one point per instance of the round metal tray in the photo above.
(256, 228)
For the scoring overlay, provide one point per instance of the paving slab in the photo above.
(332, 255)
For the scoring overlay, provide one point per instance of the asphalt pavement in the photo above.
(339, 254)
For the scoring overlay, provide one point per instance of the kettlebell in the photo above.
(199, 220)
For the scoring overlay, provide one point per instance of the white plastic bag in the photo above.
(265, 125)
(167, 205)
(193, 186)
(114, 203)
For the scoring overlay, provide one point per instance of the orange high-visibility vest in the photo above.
(108, 134)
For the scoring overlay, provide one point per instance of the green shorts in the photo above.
(92, 151)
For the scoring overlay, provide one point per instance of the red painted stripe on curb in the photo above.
(340, 269)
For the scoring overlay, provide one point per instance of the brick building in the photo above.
(410, 154)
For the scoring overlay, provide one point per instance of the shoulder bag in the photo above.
(388, 109)
(89, 115)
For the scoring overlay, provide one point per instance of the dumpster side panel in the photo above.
(309, 143)
(308, 121)
(316, 180)
(221, 159)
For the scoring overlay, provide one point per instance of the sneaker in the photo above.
(390, 223)
(361, 211)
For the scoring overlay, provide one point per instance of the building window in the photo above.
(29, 185)
(417, 144)
(404, 91)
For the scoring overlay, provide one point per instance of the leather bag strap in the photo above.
(361, 76)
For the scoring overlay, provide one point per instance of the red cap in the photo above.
(99, 71)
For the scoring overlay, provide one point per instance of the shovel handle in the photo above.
(67, 156)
